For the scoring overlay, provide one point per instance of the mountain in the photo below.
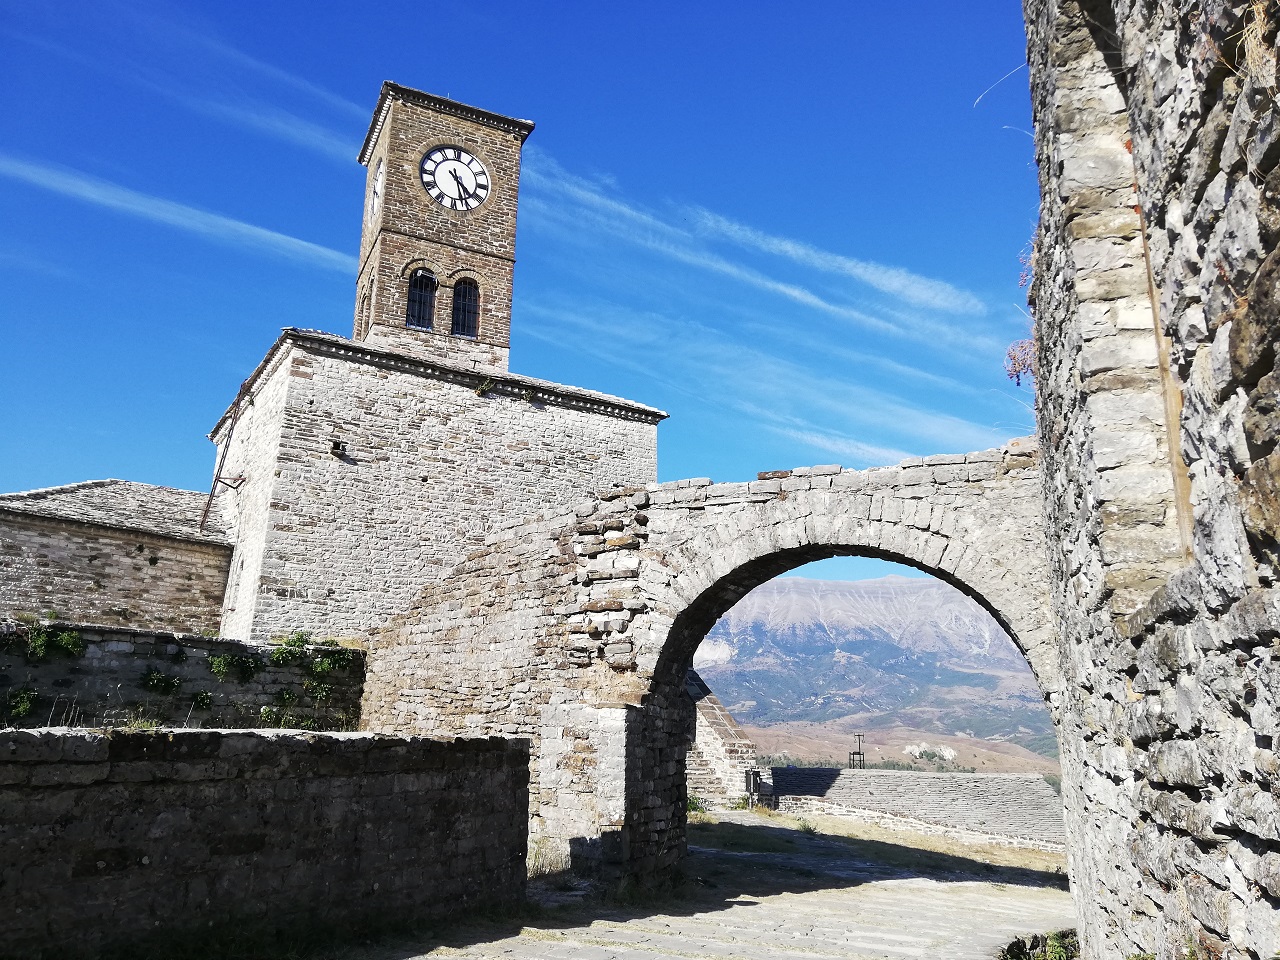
(898, 652)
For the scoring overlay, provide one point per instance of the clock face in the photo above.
(375, 197)
(454, 178)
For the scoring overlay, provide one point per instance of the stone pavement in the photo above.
(822, 901)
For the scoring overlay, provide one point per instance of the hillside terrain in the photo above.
(911, 662)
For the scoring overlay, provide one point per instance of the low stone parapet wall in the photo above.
(801, 806)
(78, 675)
(109, 839)
(1020, 806)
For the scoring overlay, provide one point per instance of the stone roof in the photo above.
(123, 504)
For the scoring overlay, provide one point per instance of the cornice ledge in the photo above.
(484, 382)
(394, 91)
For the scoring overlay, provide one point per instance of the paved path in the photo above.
(816, 903)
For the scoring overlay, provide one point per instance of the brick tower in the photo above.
(438, 244)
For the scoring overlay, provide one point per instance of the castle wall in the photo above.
(1018, 806)
(138, 840)
(107, 575)
(434, 459)
(1169, 660)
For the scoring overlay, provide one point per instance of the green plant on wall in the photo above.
(34, 642)
(291, 649)
(316, 659)
(287, 719)
(317, 691)
(242, 668)
(70, 643)
(158, 682)
(316, 656)
(19, 703)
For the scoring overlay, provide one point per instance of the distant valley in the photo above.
(802, 664)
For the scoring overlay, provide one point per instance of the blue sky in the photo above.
(792, 227)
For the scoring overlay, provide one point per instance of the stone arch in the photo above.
(723, 564)
(415, 263)
(573, 631)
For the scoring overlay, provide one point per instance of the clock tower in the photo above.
(437, 248)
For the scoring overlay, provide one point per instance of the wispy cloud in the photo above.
(904, 284)
(277, 123)
(213, 226)
(190, 40)
(269, 71)
(220, 97)
(830, 413)
(856, 451)
(577, 208)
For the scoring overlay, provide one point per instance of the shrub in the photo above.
(70, 643)
(245, 669)
(696, 805)
(19, 703)
(1060, 945)
(37, 643)
(316, 690)
(158, 682)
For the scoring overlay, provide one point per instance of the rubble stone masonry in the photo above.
(107, 839)
(577, 632)
(431, 457)
(109, 575)
(1155, 298)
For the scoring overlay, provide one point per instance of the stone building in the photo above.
(351, 471)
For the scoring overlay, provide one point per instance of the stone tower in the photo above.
(438, 243)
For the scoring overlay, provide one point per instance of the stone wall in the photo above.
(432, 457)
(578, 631)
(111, 575)
(117, 839)
(1157, 138)
(1019, 806)
(65, 674)
(720, 753)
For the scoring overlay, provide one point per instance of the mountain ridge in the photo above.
(891, 652)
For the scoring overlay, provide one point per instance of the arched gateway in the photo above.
(576, 632)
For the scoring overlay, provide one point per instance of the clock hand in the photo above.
(462, 187)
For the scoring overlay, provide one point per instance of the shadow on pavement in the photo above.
(729, 866)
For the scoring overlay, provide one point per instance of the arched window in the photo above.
(466, 309)
(422, 300)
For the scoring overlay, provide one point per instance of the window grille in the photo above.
(466, 309)
(422, 300)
